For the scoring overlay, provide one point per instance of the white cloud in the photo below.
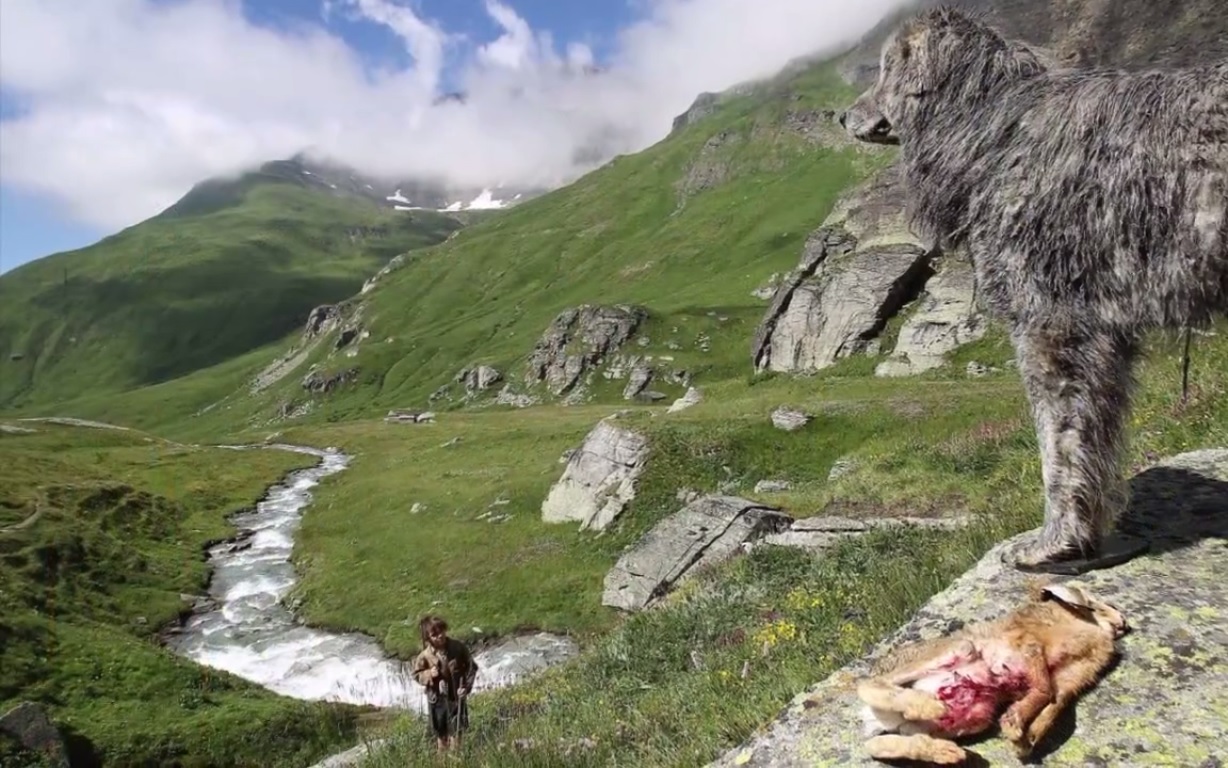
(130, 102)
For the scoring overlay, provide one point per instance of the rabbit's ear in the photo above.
(1069, 593)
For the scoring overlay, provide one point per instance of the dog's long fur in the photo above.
(1094, 206)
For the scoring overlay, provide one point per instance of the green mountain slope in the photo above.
(687, 228)
(234, 265)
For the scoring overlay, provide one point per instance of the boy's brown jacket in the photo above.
(454, 663)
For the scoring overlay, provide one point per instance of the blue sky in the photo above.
(110, 110)
(33, 225)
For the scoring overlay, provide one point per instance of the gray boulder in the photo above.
(320, 383)
(789, 419)
(1167, 697)
(637, 380)
(856, 271)
(599, 479)
(822, 531)
(578, 340)
(945, 318)
(692, 397)
(773, 486)
(322, 320)
(478, 378)
(706, 531)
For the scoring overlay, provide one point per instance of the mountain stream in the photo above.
(247, 629)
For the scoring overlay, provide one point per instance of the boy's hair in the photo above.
(429, 625)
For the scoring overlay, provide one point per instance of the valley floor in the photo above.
(409, 532)
(405, 531)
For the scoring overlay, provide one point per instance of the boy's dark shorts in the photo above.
(442, 722)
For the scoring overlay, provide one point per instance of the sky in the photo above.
(110, 110)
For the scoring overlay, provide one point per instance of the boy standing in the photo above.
(447, 670)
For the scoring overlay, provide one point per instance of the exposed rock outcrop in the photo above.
(478, 378)
(599, 479)
(402, 416)
(789, 419)
(710, 168)
(392, 265)
(706, 531)
(945, 318)
(342, 318)
(321, 320)
(1168, 695)
(823, 531)
(29, 725)
(773, 486)
(816, 125)
(579, 340)
(638, 380)
(704, 105)
(508, 396)
(857, 270)
(320, 383)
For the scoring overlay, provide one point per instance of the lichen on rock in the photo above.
(1168, 696)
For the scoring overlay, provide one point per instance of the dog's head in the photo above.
(925, 53)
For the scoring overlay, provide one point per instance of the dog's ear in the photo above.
(913, 40)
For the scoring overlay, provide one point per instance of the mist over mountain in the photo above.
(132, 105)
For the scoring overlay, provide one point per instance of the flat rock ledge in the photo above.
(824, 531)
(1165, 703)
(709, 530)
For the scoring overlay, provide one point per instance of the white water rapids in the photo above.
(252, 634)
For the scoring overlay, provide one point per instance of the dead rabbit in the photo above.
(1034, 661)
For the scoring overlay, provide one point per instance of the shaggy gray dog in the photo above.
(1093, 205)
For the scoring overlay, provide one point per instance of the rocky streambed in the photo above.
(246, 628)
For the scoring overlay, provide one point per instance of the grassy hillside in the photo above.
(939, 445)
(688, 228)
(101, 532)
(231, 267)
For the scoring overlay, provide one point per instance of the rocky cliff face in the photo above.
(943, 318)
(579, 340)
(858, 270)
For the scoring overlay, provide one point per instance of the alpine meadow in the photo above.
(710, 417)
